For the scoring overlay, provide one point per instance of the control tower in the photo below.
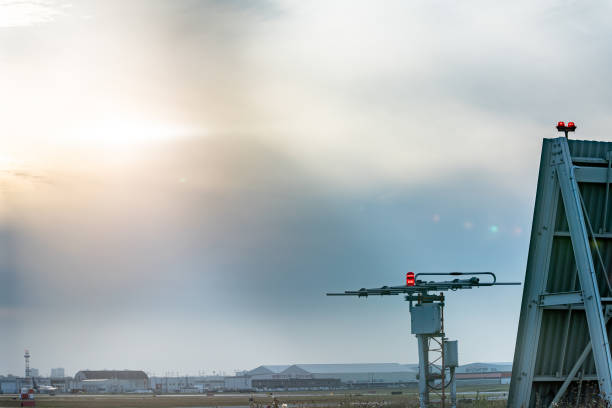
(27, 363)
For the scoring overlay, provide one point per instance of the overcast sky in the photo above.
(182, 181)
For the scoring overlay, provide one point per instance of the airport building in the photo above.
(57, 373)
(499, 377)
(187, 384)
(262, 378)
(473, 368)
(322, 376)
(10, 384)
(291, 384)
(111, 381)
(483, 373)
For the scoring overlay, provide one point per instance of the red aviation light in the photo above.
(410, 279)
(560, 124)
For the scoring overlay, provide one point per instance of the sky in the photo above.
(181, 182)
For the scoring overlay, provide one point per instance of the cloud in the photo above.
(324, 140)
(250, 230)
(361, 95)
(16, 13)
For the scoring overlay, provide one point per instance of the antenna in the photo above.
(427, 323)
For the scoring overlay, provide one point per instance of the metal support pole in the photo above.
(605, 208)
(442, 339)
(562, 161)
(542, 236)
(423, 370)
(443, 372)
(453, 388)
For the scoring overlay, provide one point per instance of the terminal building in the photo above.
(111, 381)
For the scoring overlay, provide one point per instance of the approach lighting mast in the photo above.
(437, 354)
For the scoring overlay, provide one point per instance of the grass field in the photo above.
(339, 399)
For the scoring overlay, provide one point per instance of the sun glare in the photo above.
(8, 163)
(24, 13)
(125, 133)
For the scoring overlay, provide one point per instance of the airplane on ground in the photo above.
(43, 389)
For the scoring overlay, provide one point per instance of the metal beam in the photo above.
(553, 379)
(568, 321)
(604, 235)
(589, 160)
(579, 307)
(538, 263)
(572, 374)
(564, 298)
(562, 162)
(591, 174)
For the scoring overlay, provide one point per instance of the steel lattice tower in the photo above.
(27, 363)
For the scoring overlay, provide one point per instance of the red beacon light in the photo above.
(410, 279)
(571, 126)
(561, 126)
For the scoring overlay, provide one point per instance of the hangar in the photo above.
(111, 381)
